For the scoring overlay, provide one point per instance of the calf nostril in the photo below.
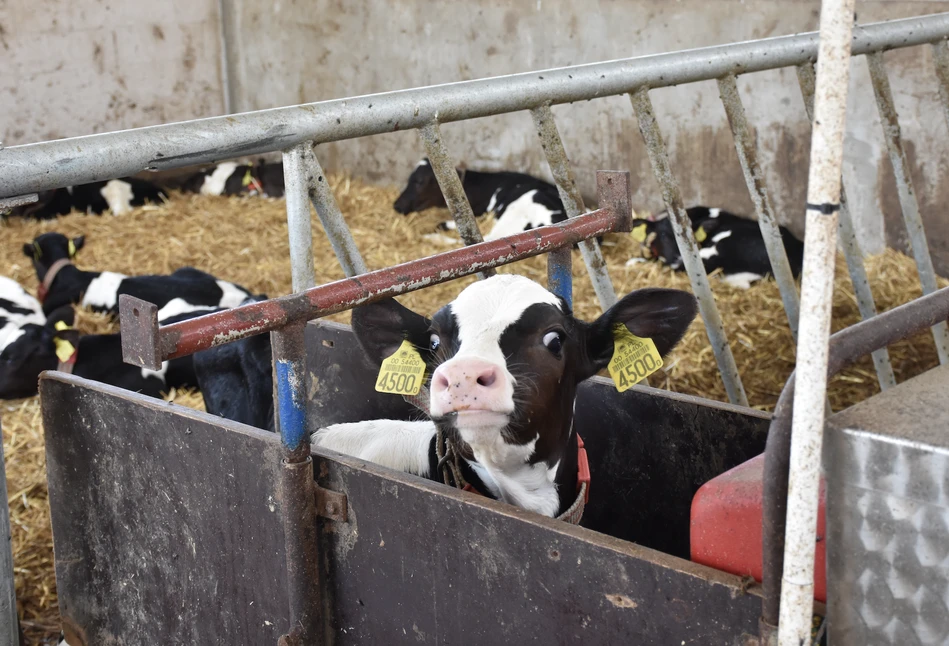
(439, 381)
(487, 379)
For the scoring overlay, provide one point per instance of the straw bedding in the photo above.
(245, 240)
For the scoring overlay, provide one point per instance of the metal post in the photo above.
(817, 288)
(907, 194)
(754, 180)
(340, 237)
(452, 187)
(297, 486)
(8, 620)
(848, 240)
(941, 58)
(298, 217)
(682, 227)
(559, 163)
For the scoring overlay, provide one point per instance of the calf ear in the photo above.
(28, 250)
(381, 327)
(662, 315)
(77, 243)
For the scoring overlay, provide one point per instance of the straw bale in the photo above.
(245, 240)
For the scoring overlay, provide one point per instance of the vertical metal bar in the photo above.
(817, 289)
(907, 194)
(941, 58)
(298, 218)
(452, 188)
(228, 58)
(848, 240)
(340, 237)
(560, 273)
(682, 227)
(754, 180)
(8, 620)
(559, 163)
(297, 485)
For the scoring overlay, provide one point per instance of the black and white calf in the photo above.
(62, 283)
(726, 241)
(117, 196)
(519, 202)
(230, 178)
(19, 312)
(93, 356)
(505, 359)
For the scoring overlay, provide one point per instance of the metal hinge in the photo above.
(331, 504)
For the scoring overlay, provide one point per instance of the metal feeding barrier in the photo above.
(28, 169)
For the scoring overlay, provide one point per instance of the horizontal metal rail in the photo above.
(145, 344)
(53, 164)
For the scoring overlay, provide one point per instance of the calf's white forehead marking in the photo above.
(721, 236)
(214, 183)
(485, 309)
(103, 290)
(118, 195)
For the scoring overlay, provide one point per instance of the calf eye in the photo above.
(434, 342)
(554, 342)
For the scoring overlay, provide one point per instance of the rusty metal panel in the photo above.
(650, 448)
(167, 523)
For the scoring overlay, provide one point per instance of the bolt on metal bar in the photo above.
(848, 240)
(941, 59)
(559, 163)
(907, 194)
(682, 227)
(754, 180)
(79, 160)
(8, 618)
(340, 237)
(452, 187)
(817, 290)
(297, 484)
(144, 344)
(298, 217)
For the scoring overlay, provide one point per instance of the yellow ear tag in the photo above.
(61, 325)
(72, 248)
(248, 178)
(403, 372)
(64, 349)
(37, 252)
(639, 233)
(633, 360)
(700, 235)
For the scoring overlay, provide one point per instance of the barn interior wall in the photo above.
(99, 65)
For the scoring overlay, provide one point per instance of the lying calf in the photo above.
(505, 359)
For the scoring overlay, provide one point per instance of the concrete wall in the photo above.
(76, 67)
(294, 52)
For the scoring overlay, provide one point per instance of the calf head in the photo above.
(48, 248)
(506, 357)
(33, 351)
(421, 192)
(657, 237)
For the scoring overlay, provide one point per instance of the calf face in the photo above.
(48, 248)
(506, 357)
(421, 192)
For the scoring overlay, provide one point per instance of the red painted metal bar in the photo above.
(146, 345)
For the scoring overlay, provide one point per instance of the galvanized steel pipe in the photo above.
(904, 188)
(338, 233)
(682, 227)
(848, 240)
(817, 289)
(78, 160)
(298, 218)
(757, 189)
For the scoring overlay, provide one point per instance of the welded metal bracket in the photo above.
(613, 193)
(140, 339)
(331, 504)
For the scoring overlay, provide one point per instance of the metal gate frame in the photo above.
(30, 168)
